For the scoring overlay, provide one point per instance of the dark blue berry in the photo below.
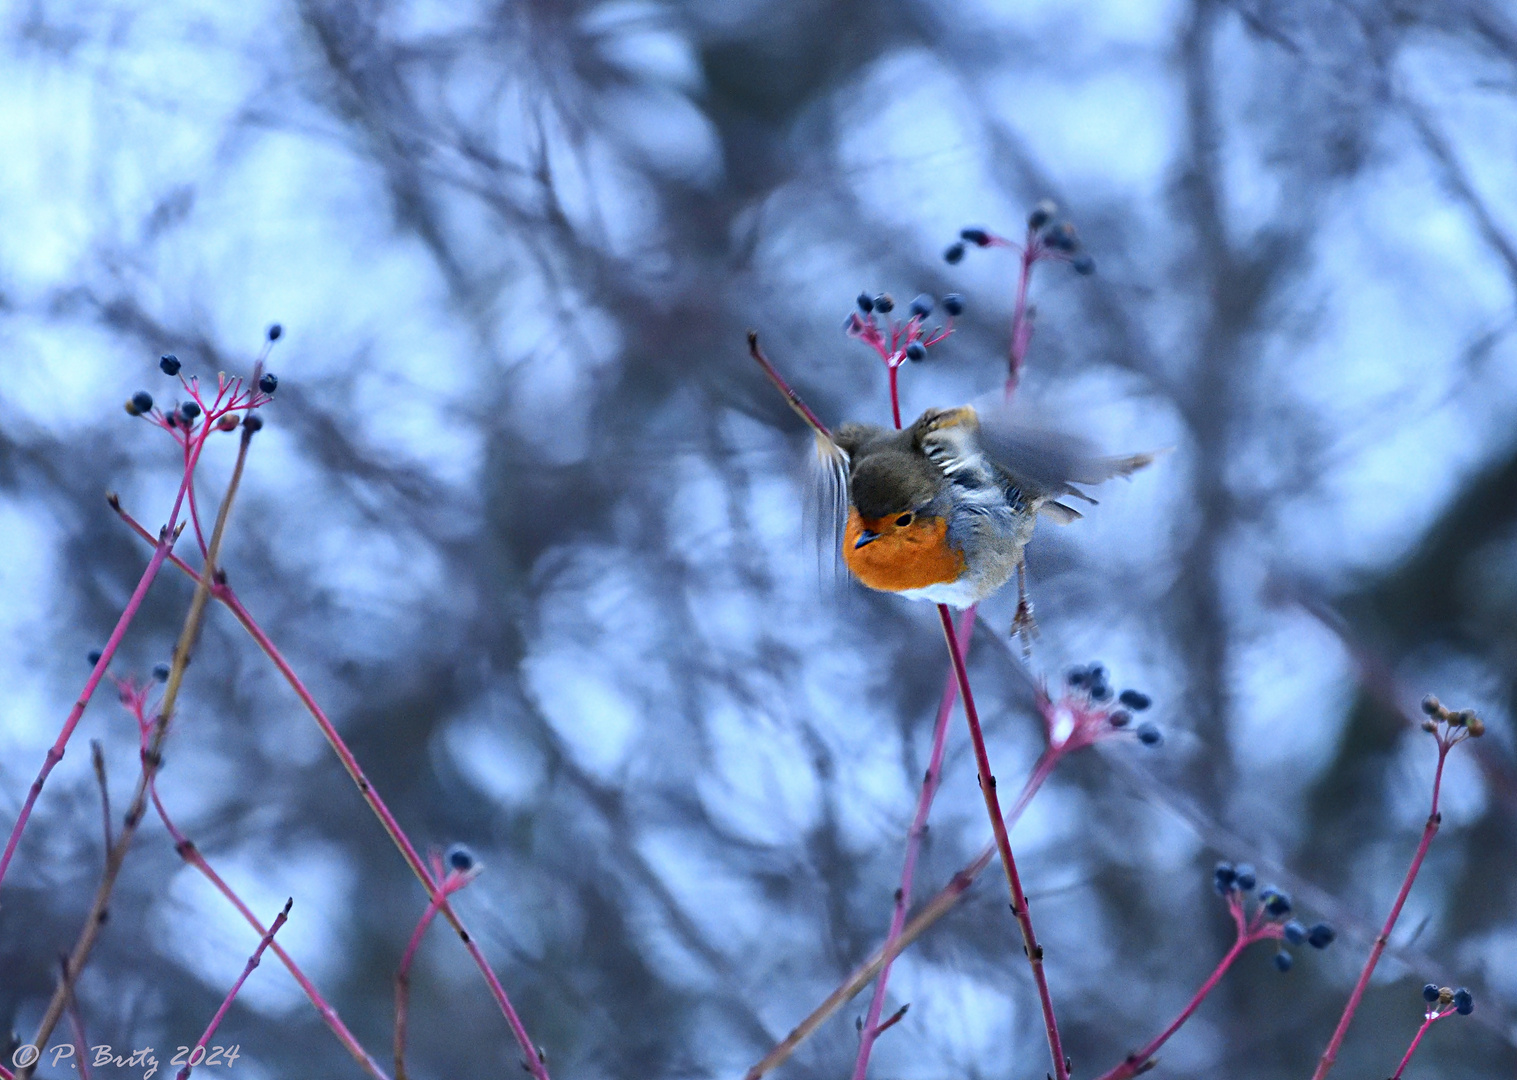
(884, 304)
(1149, 734)
(922, 305)
(953, 303)
(1039, 216)
(1225, 874)
(1295, 933)
(1061, 237)
(169, 363)
(1119, 718)
(1100, 691)
(161, 672)
(1283, 961)
(866, 305)
(275, 331)
(1135, 700)
(1077, 676)
(189, 410)
(460, 857)
(1276, 903)
(975, 236)
(1321, 935)
(270, 382)
(915, 351)
(1246, 879)
(94, 657)
(1464, 1002)
(1430, 993)
(252, 422)
(954, 255)
(142, 401)
(1083, 264)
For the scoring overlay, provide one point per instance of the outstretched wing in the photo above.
(1046, 465)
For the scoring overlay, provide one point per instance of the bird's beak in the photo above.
(865, 537)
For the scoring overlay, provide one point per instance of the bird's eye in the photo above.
(903, 521)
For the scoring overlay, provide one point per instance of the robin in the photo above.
(942, 510)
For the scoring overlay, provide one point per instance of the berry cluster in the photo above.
(1441, 1001)
(1088, 710)
(231, 406)
(897, 342)
(1450, 726)
(1047, 238)
(1089, 683)
(1274, 905)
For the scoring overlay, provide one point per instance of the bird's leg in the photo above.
(1023, 625)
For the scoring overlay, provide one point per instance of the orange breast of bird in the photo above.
(910, 557)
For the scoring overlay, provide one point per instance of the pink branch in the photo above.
(55, 753)
(1003, 844)
(223, 592)
(1434, 819)
(872, 1026)
(190, 854)
(1141, 1060)
(450, 883)
(264, 943)
(1417, 1038)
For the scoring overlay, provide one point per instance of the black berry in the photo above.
(866, 305)
(1430, 993)
(169, 363)
(882, 303)
(94, 657)
(954, 255)
(142, 401)
(915, 351)
(922, 305)
(275, 332)
(975, 236)
(161, 672)
(189, 410)
(953, 303)
(252, 422)
(1283, 961)
(1321, 935)
(1149, 734)
(1464, 1002)
(1135, 700)
(460, 858)
(1083, 264)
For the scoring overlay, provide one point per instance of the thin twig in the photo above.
(164, 544)
(1434, 819)
(151, 758)
(97, 758)
(1427, 1022)
(191, 854)
(872, 1025)
(76, 1022)
(1003, 845)
(791, 397)
(263, 943)
(224, 593)
(930, 913)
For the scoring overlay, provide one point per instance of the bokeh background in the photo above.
(530, 523)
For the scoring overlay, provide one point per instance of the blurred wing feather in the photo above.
(829, 499)
(1046, 463)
